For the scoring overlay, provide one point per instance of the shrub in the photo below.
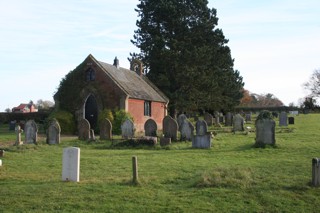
(66, 121)
(119, 117)
(106, 113)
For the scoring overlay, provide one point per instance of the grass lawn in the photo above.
(232, 176)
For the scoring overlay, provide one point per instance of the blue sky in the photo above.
(275, 44)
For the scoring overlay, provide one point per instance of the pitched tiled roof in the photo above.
(132, 84)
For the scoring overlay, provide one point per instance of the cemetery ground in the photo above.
(232, 176)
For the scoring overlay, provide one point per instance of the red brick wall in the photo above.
(136, 109)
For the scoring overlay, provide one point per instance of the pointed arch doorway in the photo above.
(91, 111)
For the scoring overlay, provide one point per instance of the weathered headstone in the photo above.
(265, 130)
(170, 128)
(150, 128)
(238, 123)
(283, 119)
(228, 119)
(53, 132)
(12, 125)
(208, 118)
(291, 120)
(201, 127)
(165, 141)
(186, 130)
(0, 162)
(315, 172)
(18, 131)
(248, 117)
(105, 129)
(71, 164)
(84, 129)
(127, 129)
(180, 120)
(31, 132)
(216, 118)
(202, 139)
(92, 135)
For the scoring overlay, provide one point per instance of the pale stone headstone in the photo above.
(165, 141)
(228, 119)
(105, 129)
(238, 123)
(127, 129)
(216, 118)
(150, 128)
(186, 130)
(53, 132)
(208, 118)
(265, 132)
(31, 132)
(92, 135)
(18, 131)
(201, 127)
(283, 119)
(202, 139)
(170, 128)
(0, 162)
(315, 172)
(180, 120)
(71, 164)
(84, 129)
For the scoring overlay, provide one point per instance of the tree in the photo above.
(258, 100)
(313, 84)
(44, 104)
(185, 55)
(7, 110)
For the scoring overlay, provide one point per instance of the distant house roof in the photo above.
(21, 106)
(134, 85)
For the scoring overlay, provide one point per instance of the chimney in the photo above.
(116, 62)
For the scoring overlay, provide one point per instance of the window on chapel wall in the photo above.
(147, 108)
(90, 75)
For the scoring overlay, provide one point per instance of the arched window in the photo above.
(90, 75)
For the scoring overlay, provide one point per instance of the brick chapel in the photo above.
(109, 86)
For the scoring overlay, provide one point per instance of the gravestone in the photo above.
(248, 117)
(150, 128)
(315, 172)
(0, 162)
(283, 119)
(12, 125)
(170, 128)
(201, 127)
(84, 129)
(53, 132)
(228, 119)
(208, 118)
(2, 153)
(18, 131)
(238, 123)
(221, 118)
(291, 120)
(181, 119)
(265, 131)
(31, 132)
(105, 129)
(216, 118)
(92, 135)
(127, 129)
(71, 164)
(165, 141)
(186, 130)
(202, 139)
